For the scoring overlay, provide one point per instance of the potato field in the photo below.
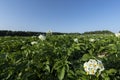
(60, 57)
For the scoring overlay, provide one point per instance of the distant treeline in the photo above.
(99, 32)
(29, 33)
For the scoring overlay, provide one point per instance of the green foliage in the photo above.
(58, 57)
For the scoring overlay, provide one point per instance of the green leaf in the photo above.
(86, 57)
(57, 65)
(61, 73)
(107, 78)
(71, 74)
(111, 71)
(101, 49)
(47, 68)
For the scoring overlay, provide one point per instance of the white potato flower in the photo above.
(34, 42)
(117, 34)
(92, 66)
(91, 40)
(76, 40)
(100, 66)
(50, 32)
(42, 37)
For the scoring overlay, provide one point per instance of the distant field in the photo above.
(59, 57)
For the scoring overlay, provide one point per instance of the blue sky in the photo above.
(60, 15)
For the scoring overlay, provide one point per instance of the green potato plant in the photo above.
(60, 57)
